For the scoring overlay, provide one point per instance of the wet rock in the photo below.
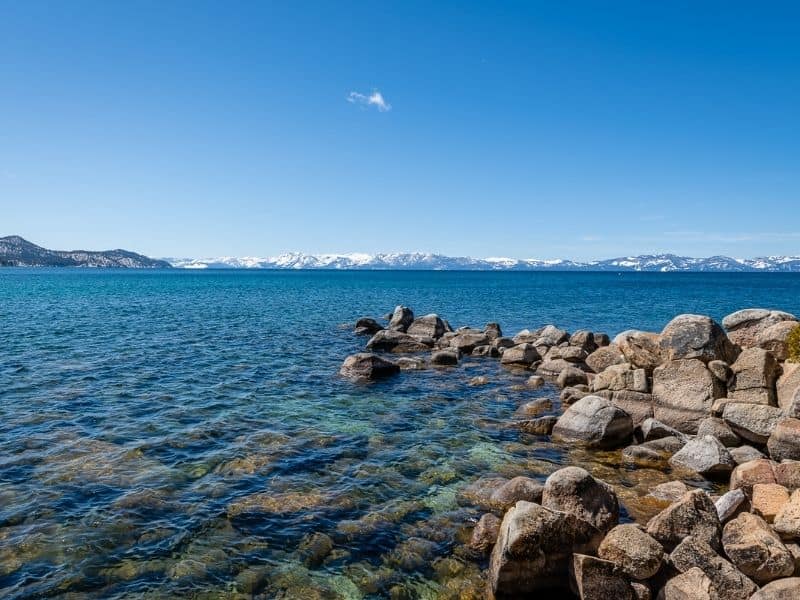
(694, 514)
(479, 492)
(430, 326)
(535, 381)
(756, 551)
(534, 408)
(768, 499)
(729, 504)
(314, 548)
(683, 394)
(486, 350)
(465, 341)
(754, 375)
(401, 319)
(534, 548)
(446, 358)
(704, 455)
(787, 521)
(753, 422)
(692, 584)
(573, 490)
(744, 326)
(595, 422)
(727, 580)
(774, 339)
(744, 454)
(717, 428)
(605, 356)
(642, 349)
(592, 577)
(367, 326)
(781, 589)
(746, 475)
(538, 426)
(571, 376)
(485, 534)
(412, 554)
(478, 381)
(388, 340)
(518, 488)
(522, 355)
(696, 337)
(784, 441)
(636, 552)
(643, 457)
(367, 366)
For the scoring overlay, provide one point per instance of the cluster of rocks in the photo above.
(697, 400)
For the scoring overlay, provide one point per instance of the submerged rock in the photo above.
(485, 534)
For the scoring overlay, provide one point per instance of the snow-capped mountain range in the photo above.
(438, 262)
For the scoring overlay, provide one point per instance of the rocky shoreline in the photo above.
(700, 401)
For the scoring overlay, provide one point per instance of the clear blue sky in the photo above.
(552, 129)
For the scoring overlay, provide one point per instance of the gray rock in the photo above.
(683, 394)
(694, 514)
(486, 350)
(594, 422)
(402, 317)
(428, 326)
(704, 455)
(696, 337)
(638, 405)
(573, 490)
(522, 355)
(366, 366)
(465, 341)
(570, 395)
(636, 552)
(716, 427)
(756, 551)
(653, 429)
(535, 381)
(784, 441)
(445, 358)
(744, 454)
(539, 425)
(753, 422)
(534, 408)
(518, 488)
(592, 577)
(533, 550)
(389, 340)
(571, 376)
(367, 326)
(551, 335)
(670, 491)
(729, 503)
(727, 580)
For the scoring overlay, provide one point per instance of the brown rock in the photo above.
(746, 475)
(521, 355)
(716, 427)
(594, 422)
(683, 394)
(538, 426)
(428, 326)
(389, 340)
(754, 375)
(571, 376)
(756, 551)
(787, 521)
(753, 422)
(401, 318)
(485, 534)
(727, 580)
(605, 356)
(367, 366)
(745, 326)
(518, 488)
(641, 348)
(788, 388)
(592, 578)
(573, 490)
(787, 474)
(534, 408)
(694, 514)
(774, 339)
(636, 552)
(690, 585)
(782, 589)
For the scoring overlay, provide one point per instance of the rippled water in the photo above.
(172, 434)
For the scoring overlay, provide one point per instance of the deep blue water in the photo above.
(183, 433)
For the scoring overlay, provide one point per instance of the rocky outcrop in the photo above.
(594, 422)
(366, 366)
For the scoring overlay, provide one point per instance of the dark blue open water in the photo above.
(167, 434)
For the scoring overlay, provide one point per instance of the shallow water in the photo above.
(185, 434)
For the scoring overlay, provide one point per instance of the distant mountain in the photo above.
(438, 262)
(18, 252)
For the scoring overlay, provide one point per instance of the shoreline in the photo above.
(711, 405)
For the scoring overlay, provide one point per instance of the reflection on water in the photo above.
(166, 435)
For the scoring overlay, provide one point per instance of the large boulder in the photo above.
(775, 339)
(728, 581)
(780, 589)
(753, 422)
(788, 388)
(595, 422)
(683, 393)
(592, 577)
(694, 514)
(583, 339)
(704, 455)
(573, 490)
(755, 549)
(550, 335)
(427, 326)
(466, 340)
(767, 500)
(390, 340)
(521, 355)
(636, 552)
(534, 548)
(754, 375)
(696, 336)
(744, 326)
(366, 366)
(367, 326)
(784, 442)
(642, 349)
(445, 358)
(605, 356)
(401, 318)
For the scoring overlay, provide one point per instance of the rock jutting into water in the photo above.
(698, 403)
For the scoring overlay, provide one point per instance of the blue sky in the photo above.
(553, 129)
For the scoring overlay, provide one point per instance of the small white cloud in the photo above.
(375, 99)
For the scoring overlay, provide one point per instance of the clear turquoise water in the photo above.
(140, 411)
